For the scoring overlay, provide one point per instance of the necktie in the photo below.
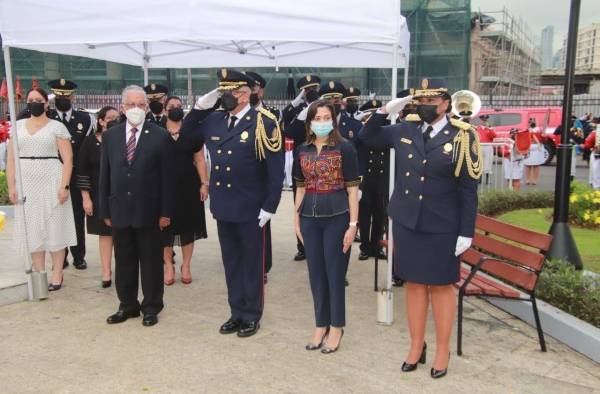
(158, 119)
(232, 120)
(427, 134)
(64, 118)
(131, 145)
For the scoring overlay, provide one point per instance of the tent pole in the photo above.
(145, 67)
(190, 93)
(17, 163)
(390, 251)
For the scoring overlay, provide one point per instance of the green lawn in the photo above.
(588, 241)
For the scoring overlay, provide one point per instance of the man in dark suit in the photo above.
(245, 147)
(136, 201)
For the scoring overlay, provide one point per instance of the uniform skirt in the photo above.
(425, 258)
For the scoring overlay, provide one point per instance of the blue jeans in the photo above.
(327, 265)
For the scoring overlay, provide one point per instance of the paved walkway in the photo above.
(63, 345)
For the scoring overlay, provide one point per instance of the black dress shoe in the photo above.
(439, 373)
(230, 326)
(397, 282)
(328, 350)
(300, 256)
(106, 283)
(80, 264)
(55, 287)
(121, 316)
(381, 256)
(363, 256)
(406, 367)
(312, 346)
(247, 329)
(149, 319)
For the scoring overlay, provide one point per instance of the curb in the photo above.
(9, 210)
(573, 332)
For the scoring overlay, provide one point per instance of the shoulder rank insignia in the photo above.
(460, 124)
(412, 118)
(467, 150)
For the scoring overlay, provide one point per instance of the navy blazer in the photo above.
(137, 194)
(427, 196)
(241, 184)
(349, 128)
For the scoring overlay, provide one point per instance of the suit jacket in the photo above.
(137, 194)
(349, 128)
(427, 196)
(241, 184)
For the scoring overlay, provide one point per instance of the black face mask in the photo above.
(427, 113)
(62, 104)
(351, 108)
(254, 100)
(112, 123)
(175, 114)
(229, 101)
(35, 109)
(311, 95)
(156, 107)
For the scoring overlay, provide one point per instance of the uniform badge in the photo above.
(351, 89)
(447, 148)
(153, 87)
(215, 138)
(224, 73)
(308, 78)
(79, 126)
(62, 82)
(331, 84)
(244, 136)
(351, 134)
(406, 140)
(424, 83)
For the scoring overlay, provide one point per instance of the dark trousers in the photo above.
(371, 214)
(139, 250)
(299, 244)
(327, 264)
(78, 251)
(243, 248)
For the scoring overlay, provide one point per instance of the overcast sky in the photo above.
(541, 13)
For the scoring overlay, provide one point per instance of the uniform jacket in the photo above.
(427, 195)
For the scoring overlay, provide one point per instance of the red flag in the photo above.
(35, 84)
(4, 90)
(18, 89)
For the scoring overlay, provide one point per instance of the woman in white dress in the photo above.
(47, 224)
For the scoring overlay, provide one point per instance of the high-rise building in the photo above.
(588, 48)
(546, 47)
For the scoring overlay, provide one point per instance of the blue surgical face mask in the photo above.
(321, 129)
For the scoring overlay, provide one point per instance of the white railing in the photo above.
(494, 162)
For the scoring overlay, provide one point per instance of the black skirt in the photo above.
(95, 225)
(425, 258)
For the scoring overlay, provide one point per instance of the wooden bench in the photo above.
(502, 260)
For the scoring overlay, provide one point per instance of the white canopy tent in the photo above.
(209, 33)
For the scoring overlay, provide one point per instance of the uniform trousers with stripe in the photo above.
(243, 248)
(327, 265)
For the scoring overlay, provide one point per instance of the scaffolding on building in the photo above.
(510, 63)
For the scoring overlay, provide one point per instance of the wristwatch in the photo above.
(353, 224)
(67, 187)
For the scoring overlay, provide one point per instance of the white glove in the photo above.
(372, 95)
(361, 115)
(299, 99)
(462, 244)
(208, 100)
(359, 194)
(396, 105)
(302, 115)
(263, 218)
(51, 97)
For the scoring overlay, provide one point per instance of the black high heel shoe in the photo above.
(312, 346)
(406, 367)
(328, 350)
(106, 283)
(55, 287)
(440, 373)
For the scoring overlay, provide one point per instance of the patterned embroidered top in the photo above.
(325, 177)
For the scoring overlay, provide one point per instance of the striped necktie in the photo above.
(131, 145)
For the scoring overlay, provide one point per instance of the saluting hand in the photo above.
(396, 105)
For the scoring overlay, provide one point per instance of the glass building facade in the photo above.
(439, 49)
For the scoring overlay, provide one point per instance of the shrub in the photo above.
(4, 189)
(584, 206)
(562, 286)
(494, 203)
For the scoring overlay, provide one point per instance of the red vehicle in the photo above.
(547, 120)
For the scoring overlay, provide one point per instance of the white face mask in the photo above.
(135, 116)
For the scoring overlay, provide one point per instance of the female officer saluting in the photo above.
(433, 209)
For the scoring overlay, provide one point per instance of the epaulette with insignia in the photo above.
(467, 149)
(263, 141)
(412, 118)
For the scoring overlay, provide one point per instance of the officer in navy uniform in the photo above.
(79, 124)
(256, 101)
(157, 96)
(334, 92)
(433, 208)
(245, 146)
(351, 101)
(293, 116)
(374, 169)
